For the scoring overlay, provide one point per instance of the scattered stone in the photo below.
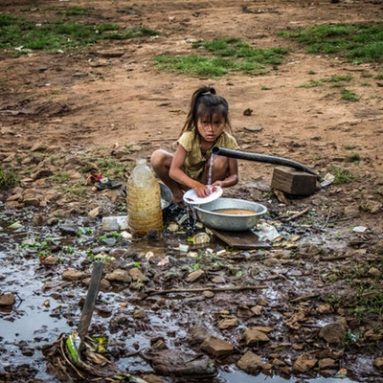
(137, 275)
(72, 275)
(324, 308)
(42, 173)
(334, 333)
(96, 212)
(38, 147)
(227, 323)
(254, 335)
(252, 363)
(378, 362)
(119, 275)
(50, 260)
(374, 272)
(7, 299)
(68, 229)
(194, 276)
(351, 211)
(217, 347)
(327, 363)
(304, 363)
(104, 284)
(257, 310)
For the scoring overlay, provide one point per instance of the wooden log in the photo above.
(293, 182)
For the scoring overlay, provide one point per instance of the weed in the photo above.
(228, 55)
(60, 178)
(265, 88)
(336, 80)
(348, 95)
(379, 76)
(312, 84)
(137, 264)
(357, 42)
(332, 299)
(68, 249)
(27, 35)
(353, 157)
(111, 167)
(342, 176)
(75, 190)
(8, 179)
(311, 72)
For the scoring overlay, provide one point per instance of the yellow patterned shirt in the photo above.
(195, 161)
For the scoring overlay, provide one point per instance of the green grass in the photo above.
(26, 35)
(335, 80)
(60, 178)
(8, 179)
(356, 42)
(353, 157)
(342, 176)
(111, 168)
(348, 95)
(222, 56)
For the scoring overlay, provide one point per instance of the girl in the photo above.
(207, 125)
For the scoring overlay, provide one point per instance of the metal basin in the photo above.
(211, 218)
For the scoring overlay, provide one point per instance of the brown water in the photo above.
(235, 212)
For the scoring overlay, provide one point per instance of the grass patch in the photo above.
(26, 35)
(111, 168)
(348, 95)
(379, 76)
(226, 55)
(354, 157)
(335, 80)
(75, 190)
(356, 42)
(8, 179)
(342, 176)
(60, 178)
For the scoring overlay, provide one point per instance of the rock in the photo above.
(372, 207)
(42, 173)
(151, 378)
(72, 275)
(7, 299)
(252, 363)
(118, 275)
(227, 323)
(334, 333)
(197, 334)
(219, 279)
(194, 276)
(104, 284)
(327, 363)
(137, 275)
(351, 211)
(50, 260)
(304, 363)
(324, 308)
(257, 310)
(374, 272)
(254, 335)
(216, 347)
(38, 147)
(96, 212)
(378, 362)
(68, 229)
(208, 294)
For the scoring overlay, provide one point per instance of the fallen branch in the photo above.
(296, 215)
(304, 298)
(201, 289)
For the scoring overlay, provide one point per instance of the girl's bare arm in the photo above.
(232, 177)
(177, 174)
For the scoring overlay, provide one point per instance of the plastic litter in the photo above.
(359, 229)
(267, 232)
(327, 180)
(114, 223)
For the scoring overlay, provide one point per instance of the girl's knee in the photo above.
(160, 158)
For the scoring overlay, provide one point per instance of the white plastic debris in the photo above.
(359, 229)
(328, 179)
(267, 232)
(115, 223)
(183, 248)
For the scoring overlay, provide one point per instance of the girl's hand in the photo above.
(202, 190)
(217, 184)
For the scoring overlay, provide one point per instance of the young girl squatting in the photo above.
(207, 125)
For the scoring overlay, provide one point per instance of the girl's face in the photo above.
(211, 127)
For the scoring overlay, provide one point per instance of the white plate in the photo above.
(191, 198)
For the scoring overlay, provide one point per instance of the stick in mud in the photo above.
(90, 300)
(197, 290)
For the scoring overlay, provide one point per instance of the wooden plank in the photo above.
(293, 182)
(244, 240)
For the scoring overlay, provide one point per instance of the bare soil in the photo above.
(111, 99)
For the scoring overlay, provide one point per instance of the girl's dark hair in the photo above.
(206, 102)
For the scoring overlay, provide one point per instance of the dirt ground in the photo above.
(110, 98)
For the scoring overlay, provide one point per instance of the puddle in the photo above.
(46, 306)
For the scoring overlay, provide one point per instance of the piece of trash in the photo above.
(183, 248)
(359, 229)
(221, 252)
(200, 239)
(267, 232)
(114, 223)
(15, 225)
(106, 183)
(149, 255)
(126, 235)
(164, 261)
(327, 180)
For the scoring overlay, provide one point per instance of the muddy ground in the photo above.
(311, 305)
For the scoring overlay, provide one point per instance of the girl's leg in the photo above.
(219, 171)
(160, 161)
